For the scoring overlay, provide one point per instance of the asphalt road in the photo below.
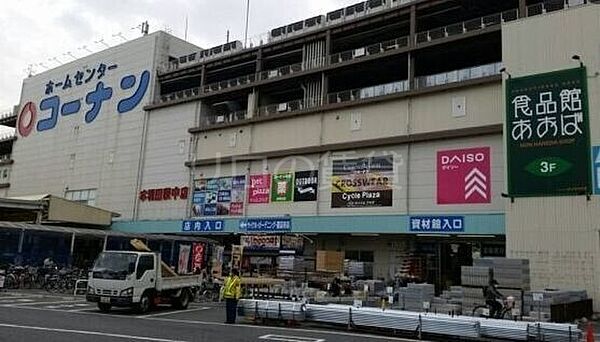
(26, 316)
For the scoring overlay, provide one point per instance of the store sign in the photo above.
(596, 169)
(260, 242)
(205, 226)
(547, 132)
(62, 98)
(198, 249)
(363, 182)
(463, 176)
(306, 186)
(437, 224)
(164, 194)
(268, 225)
(259, 189)
(219, 196)
(282, 187)
(184, 259)
(292, 243)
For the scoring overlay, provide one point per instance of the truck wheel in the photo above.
(182, 302)
(104, 307)
(144, 305)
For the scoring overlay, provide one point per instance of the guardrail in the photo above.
(4, 157)
(7, 113)
(226, 118)
(543, 8)
(373, 49)
(7, 135)
(458, 75)
(368, 92)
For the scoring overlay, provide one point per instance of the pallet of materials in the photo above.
(330, 261)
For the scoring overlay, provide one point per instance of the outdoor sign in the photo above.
(198, 256)
(184, 258)
(282, 187)
(306, 186)
(219, 196)
(292, 243)
(463, 176)
(260, 242)
(205, 226)
(547, 128)
(164, 194)
(596, 169)
(363, 182)
(437, 224)
(259, 189)
(86, 92)
(267, 225)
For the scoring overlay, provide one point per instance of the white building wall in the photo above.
(560, 235)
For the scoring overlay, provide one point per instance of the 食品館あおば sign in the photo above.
(88, 91)
(547, 130)
(362, 182)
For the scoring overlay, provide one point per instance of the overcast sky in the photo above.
(34, 31)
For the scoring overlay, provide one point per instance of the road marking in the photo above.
(85, 332)
(284, 338)
(173, 312)
(19, 300)
(44, 303)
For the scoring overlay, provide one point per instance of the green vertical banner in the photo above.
(547, 134)
(282, 187)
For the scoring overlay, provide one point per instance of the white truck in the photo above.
(135, 279)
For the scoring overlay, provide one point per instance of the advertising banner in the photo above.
(306, 186)
(219, 196)
(596, 169)
(198, 256)
(292, 243)
(282, 188)
(260, 242)
(259, 189)
(184, 258)
(363, 182)
(463, 176)
(547, 130)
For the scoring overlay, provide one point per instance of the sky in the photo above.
(34, 32)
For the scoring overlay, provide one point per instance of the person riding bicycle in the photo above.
(493, 298)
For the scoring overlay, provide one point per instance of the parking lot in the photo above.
(24, 316)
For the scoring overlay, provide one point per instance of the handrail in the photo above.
(368, 92)
(458, 75)
(225, 118)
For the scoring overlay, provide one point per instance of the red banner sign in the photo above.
(463, 176)
(198, 256)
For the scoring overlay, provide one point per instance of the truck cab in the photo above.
(135, 279)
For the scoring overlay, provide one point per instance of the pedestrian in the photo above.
(232, 291)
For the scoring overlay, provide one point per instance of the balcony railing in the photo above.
(542, 8)
(226, 118)
(458, 75)
(7, 135)
(369, 50)
(6, 113)
(368, 92)
(466, 26)
(179, 95)
(4, 157)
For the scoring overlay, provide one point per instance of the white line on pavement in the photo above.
(173, 312)
(284, 338)
(85, 332)
(44, 303)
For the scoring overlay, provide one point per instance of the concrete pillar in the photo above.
(413, 25)
(105, 242)
(411, 71)
(21, 240)
(522, 8)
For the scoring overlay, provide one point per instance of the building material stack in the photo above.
(450, 301)
(541, 310)
(330, 261)
(416, 297)
(358, 269)
(509, 273)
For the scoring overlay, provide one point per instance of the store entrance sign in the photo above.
(547, 129)
(206, 226)
(437, 224)
(268, 225)
(596, 169)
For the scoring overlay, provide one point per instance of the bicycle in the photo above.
(484, 310)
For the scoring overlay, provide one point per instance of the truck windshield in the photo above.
(114, 265)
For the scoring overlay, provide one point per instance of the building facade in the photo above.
(376, 130)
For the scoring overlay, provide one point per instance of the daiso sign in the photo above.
(87, 92)
(463, 176)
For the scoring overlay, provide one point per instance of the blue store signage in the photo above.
(203, 226)
(266, 225)
(596, 169)
(437, 224)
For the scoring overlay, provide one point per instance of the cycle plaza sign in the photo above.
(547, 129)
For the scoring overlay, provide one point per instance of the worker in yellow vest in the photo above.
(232, 291)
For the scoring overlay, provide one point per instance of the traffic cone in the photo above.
(590, 333)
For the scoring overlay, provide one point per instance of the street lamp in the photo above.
(578, 59)
(504, 71)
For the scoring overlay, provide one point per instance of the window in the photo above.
(363, 256)
(146, 263)
(86, 196)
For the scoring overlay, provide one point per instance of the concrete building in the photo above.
(375, 129)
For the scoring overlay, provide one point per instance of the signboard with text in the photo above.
(547, 129)
(306, 186)
(205, 226)
(463, 176)
(362, 182)
(266, 225)
(282, 187)
(219, 196)
(596, 169)
(437, 224)
(259, 189)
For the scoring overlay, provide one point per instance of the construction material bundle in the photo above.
(541, 309)
(358, 269)
(509, 273)
(416, 297)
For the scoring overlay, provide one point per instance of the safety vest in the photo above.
(232, 287)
